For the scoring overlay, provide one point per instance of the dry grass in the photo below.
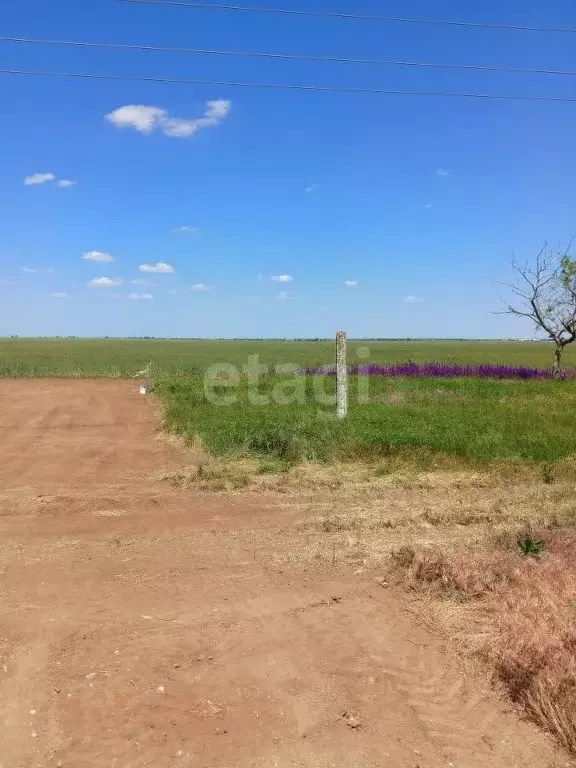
(517, 613)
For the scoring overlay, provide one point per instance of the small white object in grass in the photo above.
(142, 390)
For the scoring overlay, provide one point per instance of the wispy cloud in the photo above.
(141, 281)
(282, 278)
(34, 270)
(99, 256)
(160, 268)
(3, 281)
(413, 300)
(282, 296)
(104, 282)
(59, 295)
(443, 172)
(185, 228)
(199, 287)
(46, 178)
(147, 119)
(140, 296)
(428, 205)
(30, 270)
(311, 188)
(351, 283)
(38, 178)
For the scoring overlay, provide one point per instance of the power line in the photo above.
(353, 16)
(287, 86)
(285, 56)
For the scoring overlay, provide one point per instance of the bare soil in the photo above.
(146, 625)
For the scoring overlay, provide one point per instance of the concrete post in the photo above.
(341, 376)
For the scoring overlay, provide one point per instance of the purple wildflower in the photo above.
(440, 370)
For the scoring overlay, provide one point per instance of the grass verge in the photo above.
(475, 420)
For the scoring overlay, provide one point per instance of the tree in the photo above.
(546, 295)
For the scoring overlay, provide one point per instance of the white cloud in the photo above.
(138, 296)
(104, 282)
(65, 183)
(7, 282)
(28, 269)
(216, 111)
(351, 283)
(199, 287)
(59, 295)
(140, 281)
(282, 296)
(413, 300)
(147, 119)
(281, 278)
(185, 228)
(38, 178)
(141, 118)
(312, 188)
(98, 256)
(443, 172)
(428, 205)
(159, 268)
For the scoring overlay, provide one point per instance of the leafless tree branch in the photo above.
(546, 293)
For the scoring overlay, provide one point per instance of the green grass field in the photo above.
(124, 357)
(482, 420)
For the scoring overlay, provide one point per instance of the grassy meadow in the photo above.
(479, 419)
(180, 357)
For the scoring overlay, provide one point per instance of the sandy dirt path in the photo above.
(142, 625)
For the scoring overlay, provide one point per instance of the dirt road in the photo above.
(142, 625)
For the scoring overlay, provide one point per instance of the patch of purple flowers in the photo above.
(440, 370)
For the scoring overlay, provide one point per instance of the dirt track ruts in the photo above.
(143, 625)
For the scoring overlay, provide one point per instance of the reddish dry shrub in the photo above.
(524, 611)
(465, 577)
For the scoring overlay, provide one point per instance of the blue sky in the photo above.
(425, 198)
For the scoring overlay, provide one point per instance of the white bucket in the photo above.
(142, 390)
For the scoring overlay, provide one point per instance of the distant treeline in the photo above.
(406, 339)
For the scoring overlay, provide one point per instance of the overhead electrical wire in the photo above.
(284, 56)
(288, 86)
(353, 16)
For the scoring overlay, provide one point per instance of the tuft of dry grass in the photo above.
(210, 476)
(518, 615)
